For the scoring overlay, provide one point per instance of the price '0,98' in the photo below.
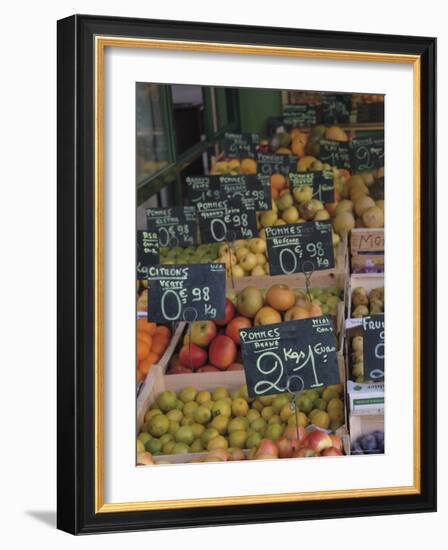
(180, 297)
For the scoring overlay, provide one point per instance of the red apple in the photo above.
(201, 332)
(208, 368)
(285, 447)
(295, 432)
(332, 451)
(233, 328)
(235, 366)
(174, 361)
(267, 448)
(318, 441)
(336, 441)
(179, 369)
(192, 356)
(222, 352)
(304, 453)
(229, 314)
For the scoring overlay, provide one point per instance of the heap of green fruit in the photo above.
(194, 421)
(367, 303)
(357, 359)
(200, 254)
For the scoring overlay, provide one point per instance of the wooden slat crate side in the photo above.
(363, 241)
(362, 425)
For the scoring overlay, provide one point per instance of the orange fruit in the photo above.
(145, 337)
(148, 362)
(165, 331)
(145, 326)
(142, 349)
(248, 166)
(140, 376)
(278, 181)
(159, 344)
(274, 193)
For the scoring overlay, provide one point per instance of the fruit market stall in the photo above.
(288, 199)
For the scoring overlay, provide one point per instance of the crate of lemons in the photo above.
(231, 426)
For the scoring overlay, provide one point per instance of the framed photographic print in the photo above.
(239, 210)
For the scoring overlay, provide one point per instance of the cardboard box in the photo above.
(365, 399)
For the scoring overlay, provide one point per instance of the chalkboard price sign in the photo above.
(290, 356)
(270, 163)
(240, 145)
(254, 190)
(367, 153)
(336, 108)
(147, 252)
(373, 347)
(186, 292)
(225, 220)
(174, 226)
(293, 247)
(300, 115)
(322, 183)
(336, 153)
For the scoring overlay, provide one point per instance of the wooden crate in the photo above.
(367, 250)
(336, 276)
(168, 353)
(362, 425)
(367, 280)
(156, 383)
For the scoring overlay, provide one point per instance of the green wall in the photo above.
(256, 106)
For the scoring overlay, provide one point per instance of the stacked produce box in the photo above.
(194, 402)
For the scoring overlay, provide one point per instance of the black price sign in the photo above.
(240, 145)
(336, 153)
(186, 292)
(300, 115)
(289, 356)
(292, 247)
(173, 225)
(367, 153)
(336, 108)
(373, 347)
(254, 190)
(322, 183)
(269, 164)
(147, 252)
(226, 220)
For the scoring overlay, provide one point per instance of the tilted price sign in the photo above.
(226, 220)
(292, 247)
(336, 153)
(301, 354)
(367, 153)
(147, 252)
(240, 145)
(270, 163)
(373, 347)
(175, 291)
(322, 183)
(253, 189)
(300, 115)
(175, 226)
(336, 108)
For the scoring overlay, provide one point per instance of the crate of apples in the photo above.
(214, 346)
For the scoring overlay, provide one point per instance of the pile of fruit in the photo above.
(367, 303)
(200, 254)
(372, 443)
(194, 421)
(213, 346)
(234, 166)
(357, 358)
(152, 341)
